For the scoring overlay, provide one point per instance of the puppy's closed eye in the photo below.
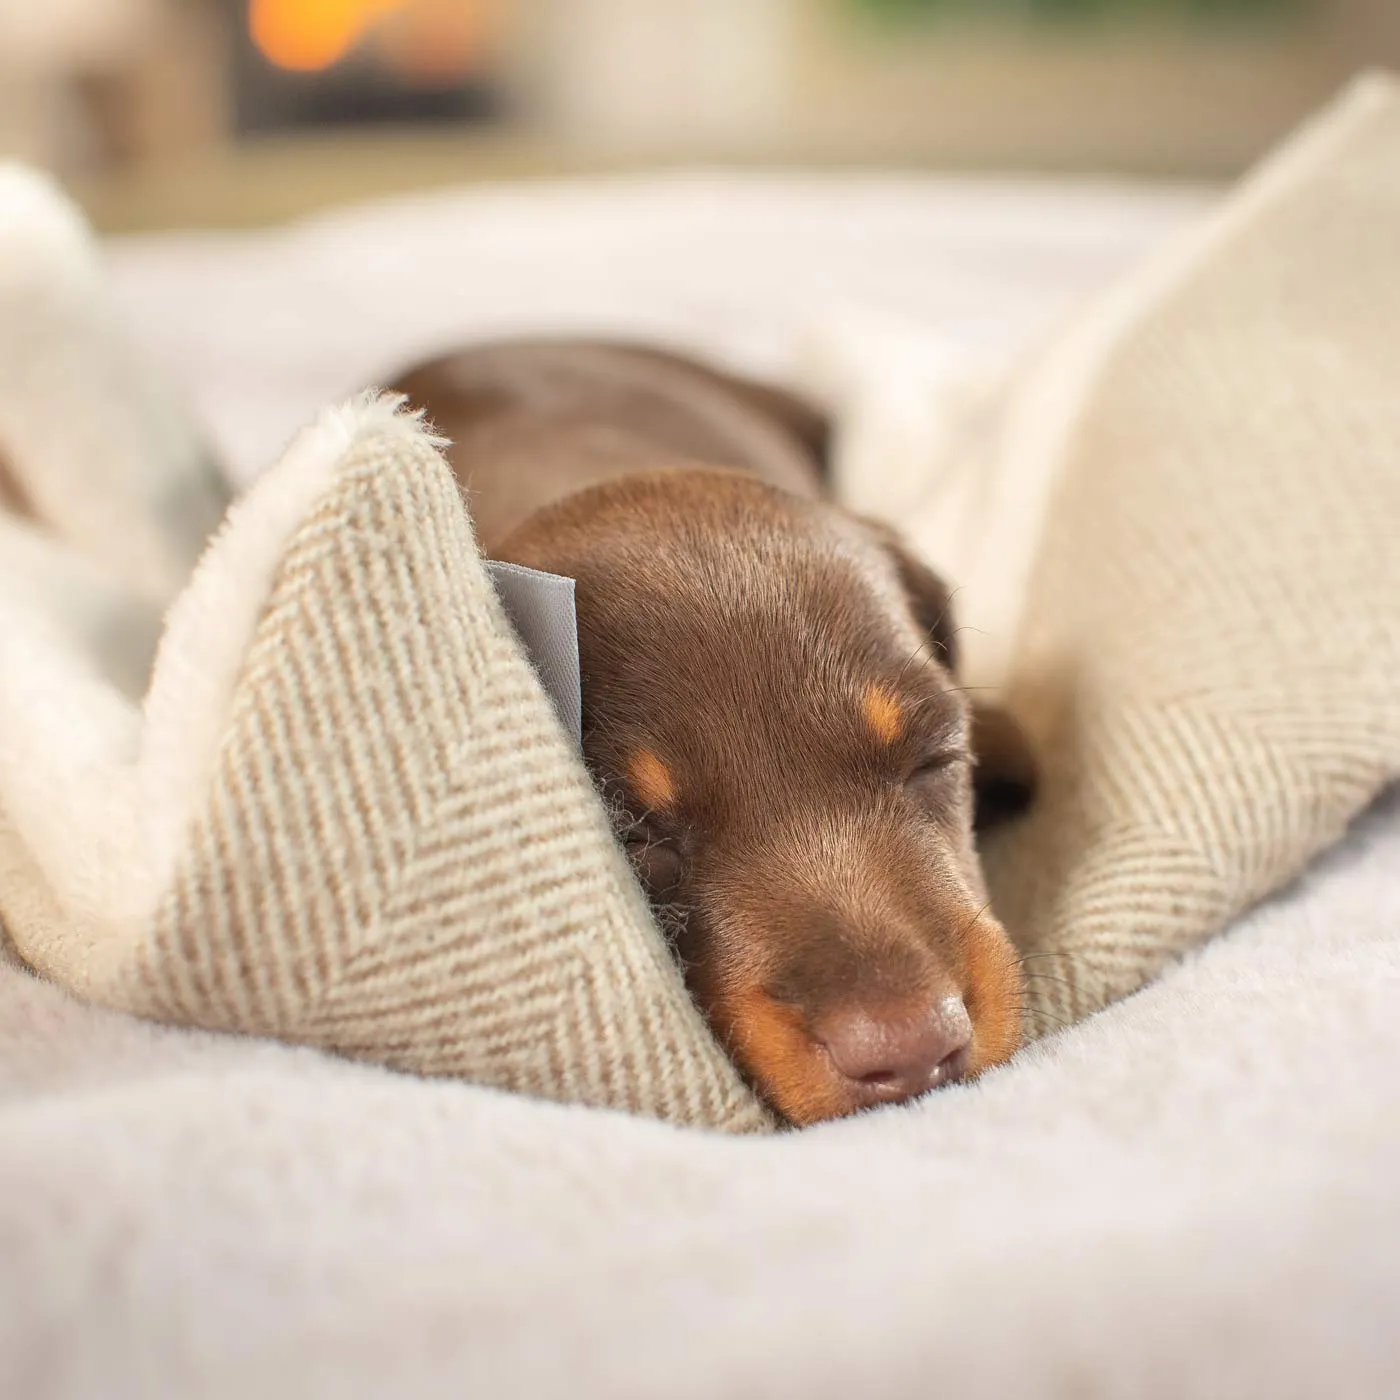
(658, 864)
(937, 763)
(936, 772)
(938, 782)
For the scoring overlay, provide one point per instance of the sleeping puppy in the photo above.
(769, 711)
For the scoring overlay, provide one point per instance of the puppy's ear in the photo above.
(1004, 780)
(929, 597)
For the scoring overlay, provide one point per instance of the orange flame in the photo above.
(306, 35)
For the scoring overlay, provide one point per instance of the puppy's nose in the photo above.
(887, 1058)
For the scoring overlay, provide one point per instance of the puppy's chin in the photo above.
(773, 1042)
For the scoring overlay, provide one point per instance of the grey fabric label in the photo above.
(540, 607)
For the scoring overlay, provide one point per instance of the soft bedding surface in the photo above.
(1191, 1194)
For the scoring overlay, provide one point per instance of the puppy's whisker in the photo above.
(972, 922)
(1050, 977)
(938, 621)
(922, 655)
(929, 650)
(1040, 1014)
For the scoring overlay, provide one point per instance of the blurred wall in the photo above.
(168, 109)
(661, 73)
(812, 77)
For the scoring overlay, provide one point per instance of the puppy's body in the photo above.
(768, 709)
(533, 422)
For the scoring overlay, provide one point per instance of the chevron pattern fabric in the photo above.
(400, 858)
(1210, 657)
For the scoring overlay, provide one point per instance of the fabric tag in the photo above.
(540, 608)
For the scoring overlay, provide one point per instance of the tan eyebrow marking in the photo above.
(652, 780)
(884, 714)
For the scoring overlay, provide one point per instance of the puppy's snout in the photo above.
(890, 1057)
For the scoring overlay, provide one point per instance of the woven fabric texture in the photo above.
(400, 859)
(1210, 654)
(399, 856)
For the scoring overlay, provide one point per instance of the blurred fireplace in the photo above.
(298, 64)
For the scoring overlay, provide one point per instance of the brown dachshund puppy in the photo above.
(769, 711)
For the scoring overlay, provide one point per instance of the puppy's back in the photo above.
(533, 421)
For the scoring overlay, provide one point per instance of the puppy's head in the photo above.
(769, 710)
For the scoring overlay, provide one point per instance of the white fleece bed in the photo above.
(1193, 1194)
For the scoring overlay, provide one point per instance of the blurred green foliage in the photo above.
(1099, 12)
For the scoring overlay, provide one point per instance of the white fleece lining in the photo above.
(42, 231)
(102, 796)
(68, 781)
(89, 427)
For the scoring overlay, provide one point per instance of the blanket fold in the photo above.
(336, 808)
(1209, 653)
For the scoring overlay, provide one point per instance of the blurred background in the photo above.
(227, 112)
